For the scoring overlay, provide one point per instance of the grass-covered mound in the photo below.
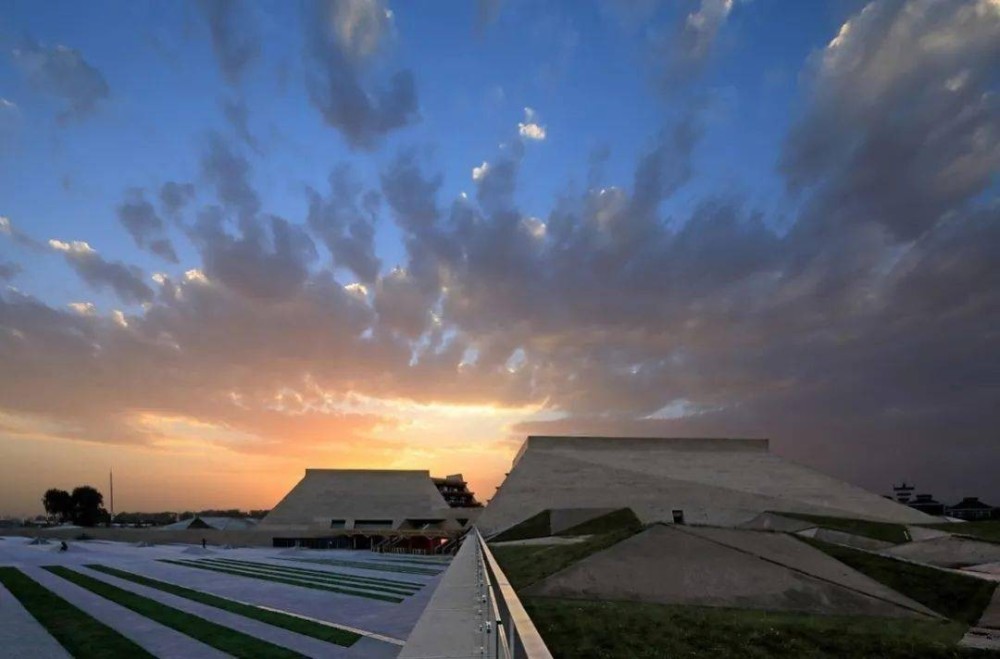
(528, 564)
(623, 518)
(539, 526)
(575, 629)
(952, 595)
(887, 531)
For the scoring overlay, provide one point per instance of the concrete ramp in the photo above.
(950, 551)
(842, 538)
(726, 568)
(775, 522)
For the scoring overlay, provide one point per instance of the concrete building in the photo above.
(368, 508)
(972, 509)
(456, 492)
(722, 482)
(208, 522)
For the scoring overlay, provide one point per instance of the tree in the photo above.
(58, 502)
(88, 506)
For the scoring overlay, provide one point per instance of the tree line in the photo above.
(84, 506)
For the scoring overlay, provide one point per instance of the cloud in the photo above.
(62, 72)
(234, 36)
(529, 129)
(487, 12)
(126, 281)
(139, 218)
(235, 111)
(344, 38)
(642, 307)
(9, 270)
(175, 196)
(902, 124)
(682, 51)
(345, 221)
(229, 173)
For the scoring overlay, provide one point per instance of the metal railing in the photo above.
(507, 631)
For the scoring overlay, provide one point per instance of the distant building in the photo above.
(217, 523)
(972, 509)
(456, 492)
(925, 503)
(381, 509)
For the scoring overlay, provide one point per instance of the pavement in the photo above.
(384, 625)
(21, 637)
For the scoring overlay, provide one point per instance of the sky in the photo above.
(238, 240)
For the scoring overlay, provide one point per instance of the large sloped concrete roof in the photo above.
(357, 494)
(721, 482)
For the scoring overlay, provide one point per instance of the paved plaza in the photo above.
(379, 597)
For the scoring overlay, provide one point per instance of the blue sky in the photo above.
(718, 217)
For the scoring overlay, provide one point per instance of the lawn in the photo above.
(378, 567)
(894, 533)
(283, 620)
(80, 634)
(334, 578)
(952, 595)
(575, 629)
(302, 582)
(222, 638)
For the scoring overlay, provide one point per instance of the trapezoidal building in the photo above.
(387, 509)
(716, 482)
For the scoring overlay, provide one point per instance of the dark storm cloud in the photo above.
(346, 224)
(126, 281)
(62, 72)
(234, 36)
(139, 218)
(344, 39)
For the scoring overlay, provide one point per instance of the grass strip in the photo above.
(78, 632)
(952, 595)
(633, 630)
(887, 531)
(327, 579)
(283, 580)
(375, 581)
(364, 565)
(283, 620)
(222, 638)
